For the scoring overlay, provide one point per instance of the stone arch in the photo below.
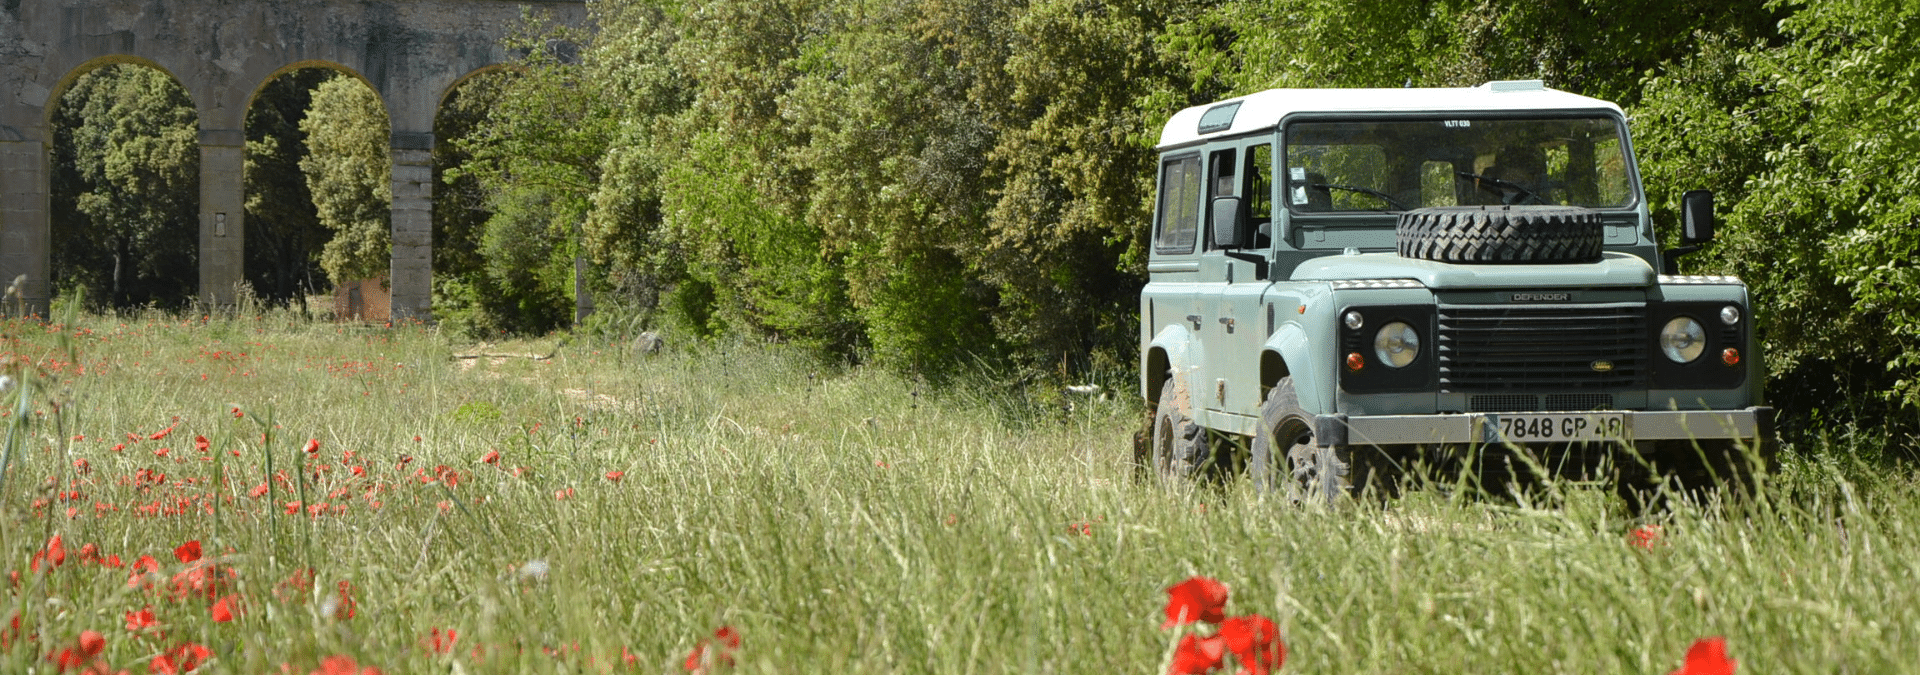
(170, 260)
(283, 234)
(409, 51)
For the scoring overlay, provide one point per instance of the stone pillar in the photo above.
(411, 276)
(26, 243)
(223, 206)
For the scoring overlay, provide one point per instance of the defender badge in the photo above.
(1602, 366)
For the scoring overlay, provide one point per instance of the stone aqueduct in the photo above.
(411, 52)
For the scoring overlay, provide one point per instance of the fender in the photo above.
(1182, 351)
(1309, 376)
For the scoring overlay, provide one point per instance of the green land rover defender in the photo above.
(1347, 283)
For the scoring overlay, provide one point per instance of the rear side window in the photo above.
(1178, 218)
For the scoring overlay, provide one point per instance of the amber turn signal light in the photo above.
(1355, 361)
(1730, 356)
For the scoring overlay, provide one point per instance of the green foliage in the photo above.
(126, 188)
(284, 236)
(350, 175)
(839, 523)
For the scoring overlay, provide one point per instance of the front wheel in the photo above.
(1285, 455)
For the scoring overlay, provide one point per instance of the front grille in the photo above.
(1531, 402)
(1529, 348)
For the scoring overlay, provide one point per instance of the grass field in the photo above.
(459, 516)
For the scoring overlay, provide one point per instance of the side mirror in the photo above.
(1229, 223)
(1696, 217)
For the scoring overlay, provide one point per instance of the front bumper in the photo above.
(1482, 428)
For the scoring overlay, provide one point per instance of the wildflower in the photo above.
(188, 552)
(200, 443)
(55, 553)
(342, 606)
(181, 659)
(141, 620)
(714, 652)
(237, 414)
(1256, 641)
(1645, 537)
(1197, 655)
(225, 609)
(82, 465)
(615, 476)
(157, 435)
(141, 568)
(492, 457)
(563, 494)
(1196, 599)
(343, 665)
(259, 490)
(83, 652)
(313, 446)
(1708, 656)
(440, 642)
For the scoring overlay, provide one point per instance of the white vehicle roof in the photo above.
(1264, 110)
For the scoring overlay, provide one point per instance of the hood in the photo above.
(1613, 269)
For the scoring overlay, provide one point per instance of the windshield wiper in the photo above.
(1520, 196)
(1397, 206)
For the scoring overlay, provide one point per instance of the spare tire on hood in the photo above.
(1501, 234)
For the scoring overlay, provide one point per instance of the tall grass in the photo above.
(844, 521)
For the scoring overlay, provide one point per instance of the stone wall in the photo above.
(412, 52)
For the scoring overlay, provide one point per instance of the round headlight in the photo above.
(1396, 344)
(1682, 340)
(1729, 315)
(1353, 320)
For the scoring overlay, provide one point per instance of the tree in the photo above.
(284, 235)
(126, 179)
(349, 173)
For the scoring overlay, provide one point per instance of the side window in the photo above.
(1259, 192)
(1179, 212)
(1220, 183)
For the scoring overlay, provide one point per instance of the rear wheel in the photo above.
(1180, 447)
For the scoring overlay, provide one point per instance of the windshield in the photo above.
(1398, 165)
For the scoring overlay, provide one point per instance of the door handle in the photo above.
(1195, 318)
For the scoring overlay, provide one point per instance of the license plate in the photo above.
(1549, 427)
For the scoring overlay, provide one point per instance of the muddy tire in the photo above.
(1180, 449)
(1501, 234)
(1284, 456)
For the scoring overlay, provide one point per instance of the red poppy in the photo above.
(563, 494)
(1197, 655)
(1256, 641)
(188, 552)
(615, 476)
(1708, 656)
(82, 653)
(492, 457)
(259, 490)
(226, 608)
(157, 435)
(141, 568)
(343, 665)
(440, 641)
(1645, 537)
(714, 652)
(313, 446)
(182, 659)
(346, 608)
(55, 553)
(1196, 599)
(141, 620)
(200, 443)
